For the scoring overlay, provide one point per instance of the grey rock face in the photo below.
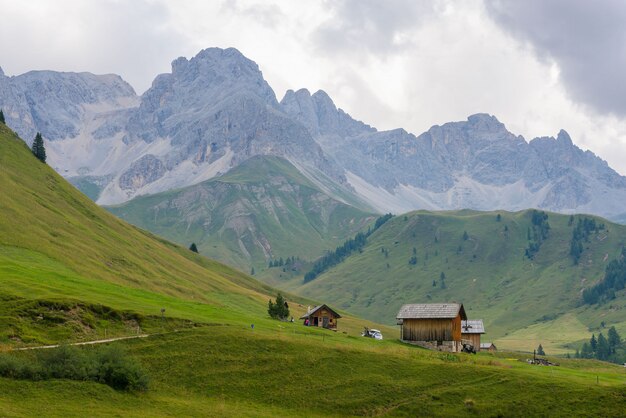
(319, 114)
(55, 103)
(218, 103)
(143, 171)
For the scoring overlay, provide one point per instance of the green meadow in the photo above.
(523, 302)
(70, 271)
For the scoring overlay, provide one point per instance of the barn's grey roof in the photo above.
(431, 311)
(486, 345)
(472, 326)
(318, 307)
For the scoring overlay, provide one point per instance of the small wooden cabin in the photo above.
(471, 330)
(491, 347)
(321, 316)
(432, 325)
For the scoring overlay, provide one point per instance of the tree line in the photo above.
(580, 234)
(537, 233)
(603, 348)
(332, 258)
(613, 281)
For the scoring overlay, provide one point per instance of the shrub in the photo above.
(107, 364)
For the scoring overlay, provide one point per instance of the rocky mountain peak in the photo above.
(485, 123)
(320, 115)
(564, 138)
(226, 69)
(1, 72)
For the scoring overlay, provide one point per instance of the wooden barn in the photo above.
(432, 325)
(321, 316)
(471, 330)
(491, 347)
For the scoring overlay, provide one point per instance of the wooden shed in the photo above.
(321, 316)
(491, 347)
(471, 330)
(432, 325)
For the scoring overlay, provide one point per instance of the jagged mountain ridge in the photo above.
(215, 111)
(475, 164)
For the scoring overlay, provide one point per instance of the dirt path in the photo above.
(108, 340)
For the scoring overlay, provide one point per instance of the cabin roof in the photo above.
(431, 311)
(472, 326)
(486, 345)
(317, 308)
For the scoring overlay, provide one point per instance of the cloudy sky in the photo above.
(538, 65)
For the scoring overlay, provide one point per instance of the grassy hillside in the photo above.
(522, 301)
(261, 210)
(236, 371)
(69, 270)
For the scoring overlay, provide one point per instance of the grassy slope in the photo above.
(490, 275)
(259, 210)
(57, 246)
(270, 371)
(62, 258)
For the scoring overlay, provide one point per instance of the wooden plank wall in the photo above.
(474, 338)
(456, 327)
(429, 329)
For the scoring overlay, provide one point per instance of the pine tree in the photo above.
(465, 236)
(2, 121)
(498, 218)
(603, 351)
(278, 310)
(614, 339)
(540, 350)
(593, 343)
(252, 271)
(193, 247)
(38, 148)
(586, 351)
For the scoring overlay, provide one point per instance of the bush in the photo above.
(106, 364)
(119, 371)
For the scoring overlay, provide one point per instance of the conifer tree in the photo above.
(38, 148)
(603, 351)
(193, 247)
(540, 351)
(2, 121)
(614, 339)
(279, 309)
(593, 343)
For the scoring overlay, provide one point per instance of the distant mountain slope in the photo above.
(261, 210)
(486, 269)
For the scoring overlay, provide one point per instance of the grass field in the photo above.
(286, 369)
(70, 271)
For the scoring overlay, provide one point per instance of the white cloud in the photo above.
(391, 64)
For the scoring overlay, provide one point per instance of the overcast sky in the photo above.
(537, 65)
